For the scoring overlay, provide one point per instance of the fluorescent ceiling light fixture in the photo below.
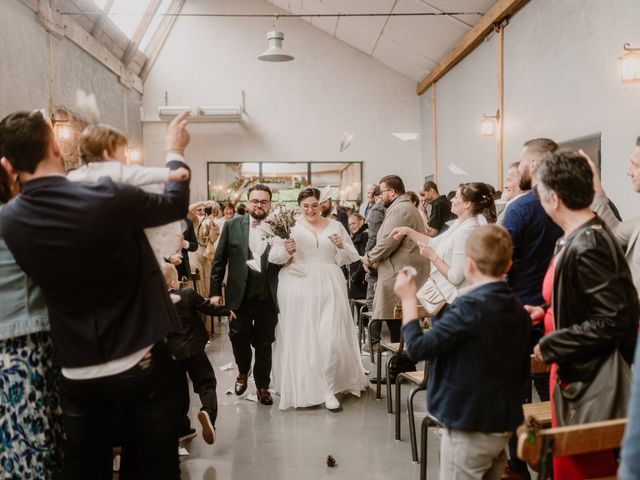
(406, 136)
(218, 113)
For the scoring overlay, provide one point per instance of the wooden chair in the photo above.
(395, 349)
(543, 445)
(359, 306)
(419, 380)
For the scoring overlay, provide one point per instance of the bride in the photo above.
(316, 352)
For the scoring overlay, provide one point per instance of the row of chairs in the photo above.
(418, 379)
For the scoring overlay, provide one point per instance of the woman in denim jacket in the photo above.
(30, 414)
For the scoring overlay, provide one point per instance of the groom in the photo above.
(252, 283)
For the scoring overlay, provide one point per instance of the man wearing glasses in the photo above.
(252, 283)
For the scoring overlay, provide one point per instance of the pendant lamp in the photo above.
(275, 53)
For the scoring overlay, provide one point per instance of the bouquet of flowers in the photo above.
(280, 221)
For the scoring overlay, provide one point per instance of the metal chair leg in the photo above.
(412, 425)
(372, 357)
(361, 326)
(546, 458)
(424, 430)
(388, 378)
(427, 422)
(379, 372)
(399, 379)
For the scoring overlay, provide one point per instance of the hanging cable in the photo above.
(279, 15)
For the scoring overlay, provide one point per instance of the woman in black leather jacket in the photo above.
(594, 304)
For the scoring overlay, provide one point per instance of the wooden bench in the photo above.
(540, 447)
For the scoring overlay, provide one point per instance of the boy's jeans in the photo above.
(472, 455)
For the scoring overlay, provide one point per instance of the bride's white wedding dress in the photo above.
(316, 351)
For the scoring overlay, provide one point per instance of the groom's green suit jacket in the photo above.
(233, 249)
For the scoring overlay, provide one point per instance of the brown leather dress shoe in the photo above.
(264, 397)
(241, 384)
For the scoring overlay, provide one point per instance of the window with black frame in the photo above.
(229, 181)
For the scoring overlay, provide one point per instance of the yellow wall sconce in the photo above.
(630, 61)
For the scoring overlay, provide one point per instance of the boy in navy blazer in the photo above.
(187, 347)
(478, 349)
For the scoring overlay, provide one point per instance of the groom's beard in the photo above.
(259, 214)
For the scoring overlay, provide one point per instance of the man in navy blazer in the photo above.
(480, 359)
(109, 309)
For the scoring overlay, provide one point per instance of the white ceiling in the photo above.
(410, 45)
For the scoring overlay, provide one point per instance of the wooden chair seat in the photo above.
(414, 377)
(390, 347)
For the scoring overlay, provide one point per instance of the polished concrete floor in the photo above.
(259, 442)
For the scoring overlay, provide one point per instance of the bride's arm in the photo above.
(348, 253)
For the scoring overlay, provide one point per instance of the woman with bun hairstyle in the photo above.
(474, 206)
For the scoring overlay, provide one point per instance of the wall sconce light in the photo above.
(134, 156)
(630, 61)
(488, 124)
(63, 132)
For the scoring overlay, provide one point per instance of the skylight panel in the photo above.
(127, 14)
(155, 23)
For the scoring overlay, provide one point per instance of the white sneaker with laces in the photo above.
(332, 403)
(208, 431)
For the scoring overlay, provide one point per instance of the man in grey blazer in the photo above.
(628, 231)
(390, 254)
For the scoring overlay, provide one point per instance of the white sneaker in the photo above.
(332, 403)
(208, 430)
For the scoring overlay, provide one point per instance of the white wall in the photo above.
(297, 111)
(562, 80)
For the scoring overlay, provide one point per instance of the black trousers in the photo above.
(146, 399)
(204, 382)
(255, 326)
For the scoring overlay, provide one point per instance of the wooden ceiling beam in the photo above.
(500, 10)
